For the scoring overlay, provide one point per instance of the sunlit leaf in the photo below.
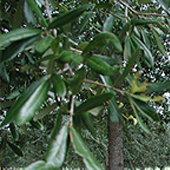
(83, 151)
(38, 165)
(108, 25)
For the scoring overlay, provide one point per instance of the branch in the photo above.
(103, 85)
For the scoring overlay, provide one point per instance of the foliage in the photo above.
(64, 58)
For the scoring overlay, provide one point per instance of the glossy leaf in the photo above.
(59, 85)
(43, 44)
(103, 39)
(108, 25)
(101, 66)
(93, 102)
(68, 17)
(56, 153)
(158, 42)
(38, 165)
(3, 73)
(15, 148)
(16, 48)
(28, 103)
(159, 87)
(142, 46)
(88, 123)
(18, 34)
(36, 9)
(129, 66)
(114, 112)
(83, 151)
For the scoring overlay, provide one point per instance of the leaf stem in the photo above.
(71, 110)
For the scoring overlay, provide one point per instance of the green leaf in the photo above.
(36, 9)
(159, 87)
(28, 103)
(108, 25)
(124, 30)
(114, 112)
(104, 5)
(16, 48)
(88, 123)
(59, 85)
(158, 42)
(43, 44)
(142, 46)
(103, 39)
(76, 82)
(14, 132)
(82, 150)
(38, 165)
(128, 67)
(93, 102)
(69, 16)
(15, 149)
(36, 124)
(165, 5)
(142, 22)
(18, 34)
(56, 153)
(101, 66)
(3, 73)
(127, 48)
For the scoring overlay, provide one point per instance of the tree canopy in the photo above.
(64, 63)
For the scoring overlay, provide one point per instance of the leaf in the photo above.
(127, 49)
(124, 30)
(129, 66)
(165, 5)
(15, 149)
(93, 102)
(114, 112)
(18, 34)
(29, 16)
(16, 48)
(69, 16)
(76, 82)
(14, 132)
(38, 165)
(101, 66)
(36, 124)
(142, 46)
(88, 123)
(159, 87)
(147, 98)
(58, 85)
(3, 73)
(142, 22)
(28, 103)
(36, 9)
(103, 39)
(83, 151)
(158, 42)
(103, 5)
(56, 153)
(108, 25)
(43, 44)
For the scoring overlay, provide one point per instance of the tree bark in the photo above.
(115, 149)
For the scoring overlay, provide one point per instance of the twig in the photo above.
(71, 110)
(103, 85)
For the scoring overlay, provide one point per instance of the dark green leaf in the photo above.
(56, 153)
(103, 39)
(43, 44)
(16, 48)
(88, 123)
(15, 149)
(18, 34)
(36, 9)
(93, 102)
(36, 124)
(108, 25)
(127, 48)
(29, 16)
(124, 30)
(14, 132)
(59, 85)
(101, 66)
(159, 87)
(142, 22)
(3, 73)
(128, 67)
(104, 5)
(68, 17)
(82, 150)
(28, 103)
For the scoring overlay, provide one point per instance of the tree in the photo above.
(72, 57)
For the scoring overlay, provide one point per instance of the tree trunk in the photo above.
(115, 149)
